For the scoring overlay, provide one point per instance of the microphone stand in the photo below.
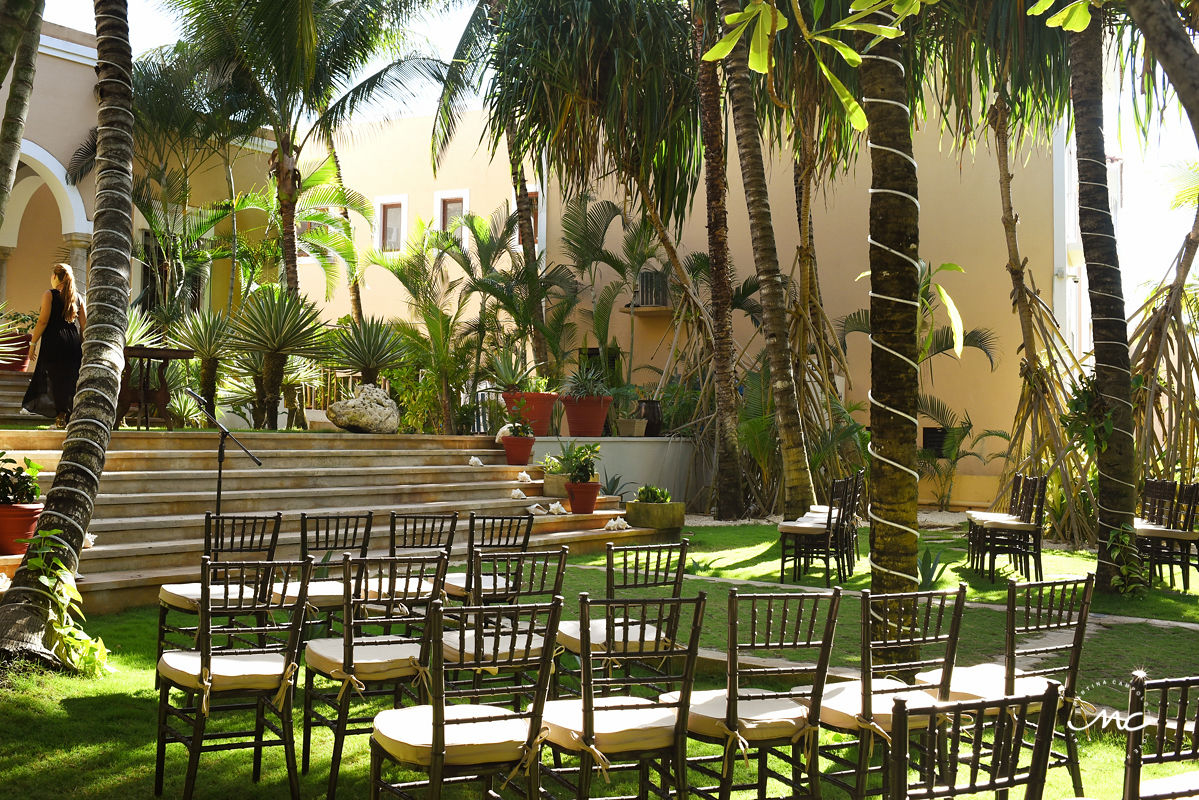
(220, 452)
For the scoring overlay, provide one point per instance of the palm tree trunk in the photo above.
(17, 107)
(999, 121)
(729, 491)
(1116, 498)
(273, 366)
(233, 274)
(447, 407)
(351, 277)
(894, 267)
(528, 244)
(797, 484)
(287, 179)
(14, 18)
(69, 503)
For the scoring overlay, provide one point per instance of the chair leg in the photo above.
(306, 745)
(164, 697)
(376, 773)
(586, 767)
(193, 752)
(339, 739)
(644, 776)
(1073, 764)
(259, 728)
(762, 773)
(289, 747)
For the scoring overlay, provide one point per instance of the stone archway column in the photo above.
(79, 243)
(5, 254)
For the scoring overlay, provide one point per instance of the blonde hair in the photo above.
(63, 273)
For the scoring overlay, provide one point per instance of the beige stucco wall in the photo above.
(39, 246)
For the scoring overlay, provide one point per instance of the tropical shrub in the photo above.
(367, 347)
(653, 494)
(207, 334)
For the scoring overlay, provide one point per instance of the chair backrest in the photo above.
(236, 617)
(638, 658)
(241, 535)
(380, 595)
(1013, 503)
(522, 659)
(905, 633)
(335, 533)
(1035, 609)
(422, 532)
(839, 496)
(646, 566)
(1163, 727)
(1032, 499)
(1159, 501)
(971, 747)
(516, 578)
(843, 525)
(1186, 507)
(488, 532)
(796, 626)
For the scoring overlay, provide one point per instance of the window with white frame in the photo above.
(449, 205)
(392, 225)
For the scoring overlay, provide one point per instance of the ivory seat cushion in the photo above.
(991, 516)
(1183, 782)
(1149, 530)
(407, 734)
(842, 703)
(757, 720)
(617, 730)
(458, 646)
(1009, 525)
(983, 682)
(322, 594)
(229, 672)
(372, 661)
(455, 584)
(186, 596)
(804, 527)
(570, 635)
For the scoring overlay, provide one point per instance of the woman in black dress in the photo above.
(59, 326)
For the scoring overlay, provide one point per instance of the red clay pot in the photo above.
(21, 340)
(586, 415)
(17, 521)
(538, 409)
(582, 497)
(517, 449)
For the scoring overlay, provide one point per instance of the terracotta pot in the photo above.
(517, 449)
(660, 516)
(554, 484)
(585, 415)
(582, 497)
(538, 409)
(17, 521)
(22, 340)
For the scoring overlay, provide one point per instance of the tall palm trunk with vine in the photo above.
(25, 609)
(1117, 494)
(797, 480)
(729, 492)
(234, 244)
(528, 243)
(894, 310)
(287, 181)
(17, 106)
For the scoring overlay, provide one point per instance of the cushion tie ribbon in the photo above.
(348, 679)
(284, 685)
(733, 738)
(205, 690)
(530, 754)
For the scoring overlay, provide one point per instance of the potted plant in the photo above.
(517, 438)
(581, 487)
(16, 340)
(523, 390)
(19, 508)
(586, 396)
(626, 423)
(630, 426)
(653, 509)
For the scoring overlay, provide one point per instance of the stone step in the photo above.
(163, 460)
(257, 440)
(335, 476)
(105, 592)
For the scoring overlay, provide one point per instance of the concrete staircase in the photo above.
(149, 518)
(12, 390)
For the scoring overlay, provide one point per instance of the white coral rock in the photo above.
(523, 477)
(5, 582)
(370, 410)
(475, 461)
(89, 540)
(517, 494)
(499, 437)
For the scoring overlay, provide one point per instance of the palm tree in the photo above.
(19, 92)
(26, 613)
(206, 333)
(1117, 494)
(299, 57)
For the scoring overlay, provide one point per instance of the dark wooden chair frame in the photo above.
(1173, 511)
(240, 536)
(621, 667)
(380, 593)
(931, 620)
(975, 554)
(529, 678)
(1021, 544)
(494, 533)
(798, 626)
(1163, 728)
(422, 532)
(524, 576)
(832, 546)
(970, 748)
(232, 621)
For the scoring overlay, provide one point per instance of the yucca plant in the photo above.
(278, 324)
(368, 347)
(207, 334)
